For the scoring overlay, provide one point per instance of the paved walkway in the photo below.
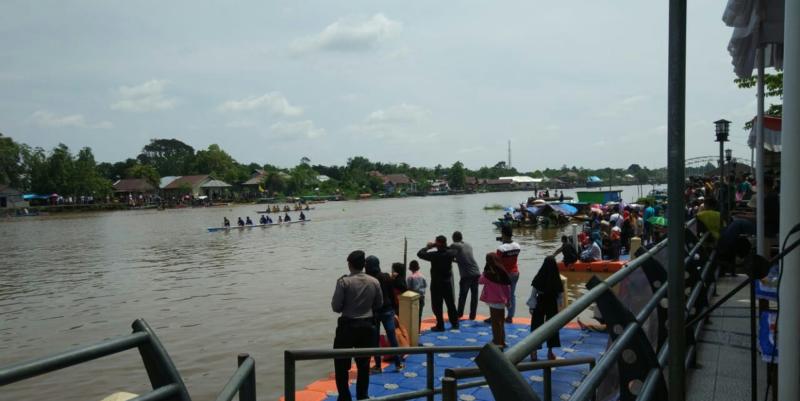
(723, 354)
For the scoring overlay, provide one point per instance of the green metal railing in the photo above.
(164, 377)
(643, 390)
(291, 357)
(450, 385)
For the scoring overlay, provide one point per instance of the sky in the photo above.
(580, 83)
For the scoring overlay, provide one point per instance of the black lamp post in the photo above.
(721, 131)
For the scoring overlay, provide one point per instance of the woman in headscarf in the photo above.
(385, 315)
(399, 284)
(546, 297)
(496, 294)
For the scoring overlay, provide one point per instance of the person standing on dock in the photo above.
(496, 294)
(649, 212)
(355, 297)
(509, 253)
(385, 314)
(417, 283)
(469, 275)
(545, 300)
(441, 259)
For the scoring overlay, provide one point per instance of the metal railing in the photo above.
(491, 360)
(450, 385)
(430, 390)
(164, 377)
(630, 348)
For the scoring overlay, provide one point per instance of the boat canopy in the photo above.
(34, 196)
(565, 209)
(594, 178)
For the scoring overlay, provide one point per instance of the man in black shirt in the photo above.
(355, 297)
(441, 258)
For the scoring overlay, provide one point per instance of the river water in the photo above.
(76, 279)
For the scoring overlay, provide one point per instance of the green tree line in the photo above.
(61, 171)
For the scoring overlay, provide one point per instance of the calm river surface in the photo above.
(80, 278)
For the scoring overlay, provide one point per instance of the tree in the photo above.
(457, 178)
(274, 183)
(117, 170)
(634, 168)
(60, 171)
(36, 162)
(773, 85)
(168, 156)
(146, 171)
(12, 163)
(360, 163)
(85, 179)
(218, 163)
(305, 160)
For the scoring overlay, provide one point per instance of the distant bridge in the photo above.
(703, 161)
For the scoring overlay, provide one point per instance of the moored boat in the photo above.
(601, 197)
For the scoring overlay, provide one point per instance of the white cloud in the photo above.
(400, 114)
(47, 119)
(296, 130)
(275, 102)
(148, 96)
(350, 34)
(402, 122)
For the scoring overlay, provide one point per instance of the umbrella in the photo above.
(658, 221)
(509, 209)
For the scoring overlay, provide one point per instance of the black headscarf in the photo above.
(547, 280)
(399, 281)
(495, 271)
(373, 268)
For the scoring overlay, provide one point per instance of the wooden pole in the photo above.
(405, 252)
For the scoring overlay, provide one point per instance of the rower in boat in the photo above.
(226, 223)
(302, 216)
(286, 208)
(263, 220)
(240, 222)
(248, 222)
(307, 208)
(286, 217)
(280, 219)
(269, 220)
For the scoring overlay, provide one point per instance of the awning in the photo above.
(772, 134)
(745, 16)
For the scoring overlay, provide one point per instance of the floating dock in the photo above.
(575, 343)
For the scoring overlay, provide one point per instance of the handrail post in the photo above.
(449, 388)
(288, 376)
(548, 383)
(247, 392)
(428, 374)
(676, 152)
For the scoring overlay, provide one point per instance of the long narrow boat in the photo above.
(233, 228)
(284, 211)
